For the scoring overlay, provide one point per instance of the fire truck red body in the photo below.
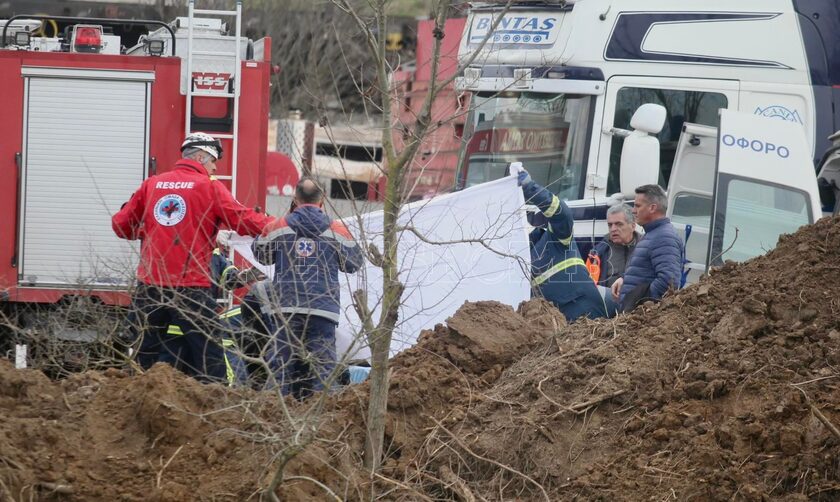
(70, 152)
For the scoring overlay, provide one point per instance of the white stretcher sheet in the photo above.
(470, 245)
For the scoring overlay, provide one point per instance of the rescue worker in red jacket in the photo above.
(177, 215)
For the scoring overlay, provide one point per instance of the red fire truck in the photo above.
(86, 119)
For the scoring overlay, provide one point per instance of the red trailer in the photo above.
(433, 169)
(86, 120)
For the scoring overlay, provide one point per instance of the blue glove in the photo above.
(523, 178)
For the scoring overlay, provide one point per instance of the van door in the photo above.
(691, 193)
(765, 186)
(692, 100)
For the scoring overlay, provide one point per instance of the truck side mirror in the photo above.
(640, 153)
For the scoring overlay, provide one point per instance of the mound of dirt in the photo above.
(163, 436)
(439, 377)
(727, 390)
(108, 436)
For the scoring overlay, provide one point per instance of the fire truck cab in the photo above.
(86, 120)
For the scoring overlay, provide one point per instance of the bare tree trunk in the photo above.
(380, 341)
(397, 163)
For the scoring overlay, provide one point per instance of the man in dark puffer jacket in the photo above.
(655, 263)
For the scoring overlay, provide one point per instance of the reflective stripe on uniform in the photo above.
(274, 234)
(338, 237)
(332, 316)
(231, 376)
(566, 241)
(173, 329)
(225, 272)
(553, 207)
(563, 265)
(231, 313)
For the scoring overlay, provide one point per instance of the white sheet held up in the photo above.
(465, 246)
(470, 245)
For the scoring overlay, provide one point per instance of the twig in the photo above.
(662, 471)
(403, 486)
(456, 484)
(491, 461)
(160, 472)
(4, 490)
(66, 402)
(552, 401)
(576, 408)
(582, 406)
(316, 482)
(727, 249)
(815, 380)
(11, 463)
(822, 418)
(56, 488)
(825, 489)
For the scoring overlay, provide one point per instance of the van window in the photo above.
(681, 106)
(752, 215)
(692, 209)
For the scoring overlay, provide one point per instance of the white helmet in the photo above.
(203, 142)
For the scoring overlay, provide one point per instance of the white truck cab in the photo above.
(556, 84)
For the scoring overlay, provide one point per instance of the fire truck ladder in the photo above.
(232, 90)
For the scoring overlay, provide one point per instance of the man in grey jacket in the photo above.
(655, 265)
(613, 252)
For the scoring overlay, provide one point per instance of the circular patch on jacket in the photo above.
(305, 247)
(170, 209)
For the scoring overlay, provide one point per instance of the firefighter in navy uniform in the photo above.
(225, 277)
(559, 273)
(178, 214)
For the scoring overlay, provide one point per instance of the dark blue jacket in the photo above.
(307, 251)
(559, 273)
(655, 263)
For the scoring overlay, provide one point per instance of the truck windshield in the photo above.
(548, 133)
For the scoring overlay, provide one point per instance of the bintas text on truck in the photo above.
(86, 119)
(556, 86)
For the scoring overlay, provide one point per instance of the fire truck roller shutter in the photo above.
(86, 143)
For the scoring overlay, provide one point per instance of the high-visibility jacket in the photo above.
(559, 273)
(177, 215)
